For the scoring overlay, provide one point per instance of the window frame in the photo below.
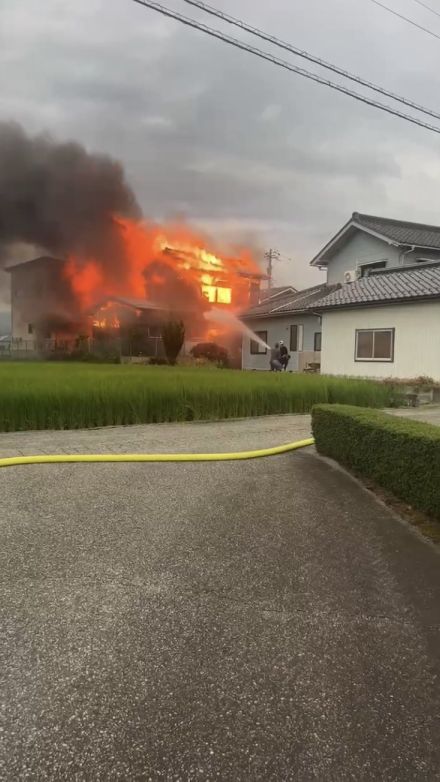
(374, 360)
(370, 267)
(258, 351)
(317, 334)
(299, 338)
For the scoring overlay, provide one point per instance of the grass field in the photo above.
(72, 396)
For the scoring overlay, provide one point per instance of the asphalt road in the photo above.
(263, 620)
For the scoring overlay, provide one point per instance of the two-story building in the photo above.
(378, 314)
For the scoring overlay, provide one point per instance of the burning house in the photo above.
(58, 302)
(106, 273)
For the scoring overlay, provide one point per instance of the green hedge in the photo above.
(399, 455)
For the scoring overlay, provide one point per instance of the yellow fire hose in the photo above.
(64, 458)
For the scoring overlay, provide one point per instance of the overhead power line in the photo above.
(310, 57)
(406, 19)
(284, 64)
(428, 7)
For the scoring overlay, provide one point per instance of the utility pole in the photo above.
(271, 255)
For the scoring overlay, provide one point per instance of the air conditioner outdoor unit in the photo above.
(351, 276)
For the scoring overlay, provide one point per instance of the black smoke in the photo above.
(60, 197)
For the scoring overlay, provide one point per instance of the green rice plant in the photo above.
(72, 396)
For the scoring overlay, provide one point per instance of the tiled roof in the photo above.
(391, 286)
(401, 231)
(289, 303)
(137, 304)
(398, 232)
(46, 259)
(270, 293)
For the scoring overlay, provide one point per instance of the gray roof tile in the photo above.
(390, 286)
(401, 231)
(289, 303)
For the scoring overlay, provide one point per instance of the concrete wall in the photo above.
(279, 329)
(361, 248)
(416, 347)
(40, 294)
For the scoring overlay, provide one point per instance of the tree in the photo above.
(173, 337)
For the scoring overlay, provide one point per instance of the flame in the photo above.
(85, 278)
(106, 318)
(209, 275)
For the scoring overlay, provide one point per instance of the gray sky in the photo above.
(234, 144)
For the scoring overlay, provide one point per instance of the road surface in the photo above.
(264, 620)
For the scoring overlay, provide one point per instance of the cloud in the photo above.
(232, 142)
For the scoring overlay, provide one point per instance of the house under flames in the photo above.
(47, 312)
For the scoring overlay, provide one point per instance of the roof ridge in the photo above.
(299, 296)
(394, 220)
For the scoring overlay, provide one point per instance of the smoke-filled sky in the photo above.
(238, 146)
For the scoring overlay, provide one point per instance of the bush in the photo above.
(211, 352)
(399, 455)
(157, 361)
(173, 337)
(108, 356)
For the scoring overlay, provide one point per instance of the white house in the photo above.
(378, 314)
(384, 321)
(385, 325)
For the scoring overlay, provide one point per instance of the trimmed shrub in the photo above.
(399, 455)
(158, 361)
(211, 352)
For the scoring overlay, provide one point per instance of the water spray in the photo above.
(227, 318)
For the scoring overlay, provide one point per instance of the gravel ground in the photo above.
(429, 414)
(245, 434)
(265, 620)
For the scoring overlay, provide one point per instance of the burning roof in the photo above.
(169, 265)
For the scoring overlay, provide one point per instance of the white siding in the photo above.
(416, 348)
(361, 248)
(279, 329)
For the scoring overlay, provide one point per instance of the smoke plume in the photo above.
(59, 197)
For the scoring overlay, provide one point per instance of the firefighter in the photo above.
(284, 356)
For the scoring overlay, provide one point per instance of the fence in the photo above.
(32, 349)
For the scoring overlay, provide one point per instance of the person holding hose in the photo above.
(284, 356)
(275, 359)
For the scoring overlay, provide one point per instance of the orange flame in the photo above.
(85, 278)
(213, 276)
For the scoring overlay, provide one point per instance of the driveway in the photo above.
(263, 620)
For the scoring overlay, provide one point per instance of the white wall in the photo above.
(361, 248)
(416, 347)
(279, 329)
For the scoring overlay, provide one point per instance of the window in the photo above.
(368, 268)
(317, 342)
(374, 345)
(296, 338)
(256, 348)
(30, 328)
(217, 294)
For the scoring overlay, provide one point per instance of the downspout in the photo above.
(407, 252)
